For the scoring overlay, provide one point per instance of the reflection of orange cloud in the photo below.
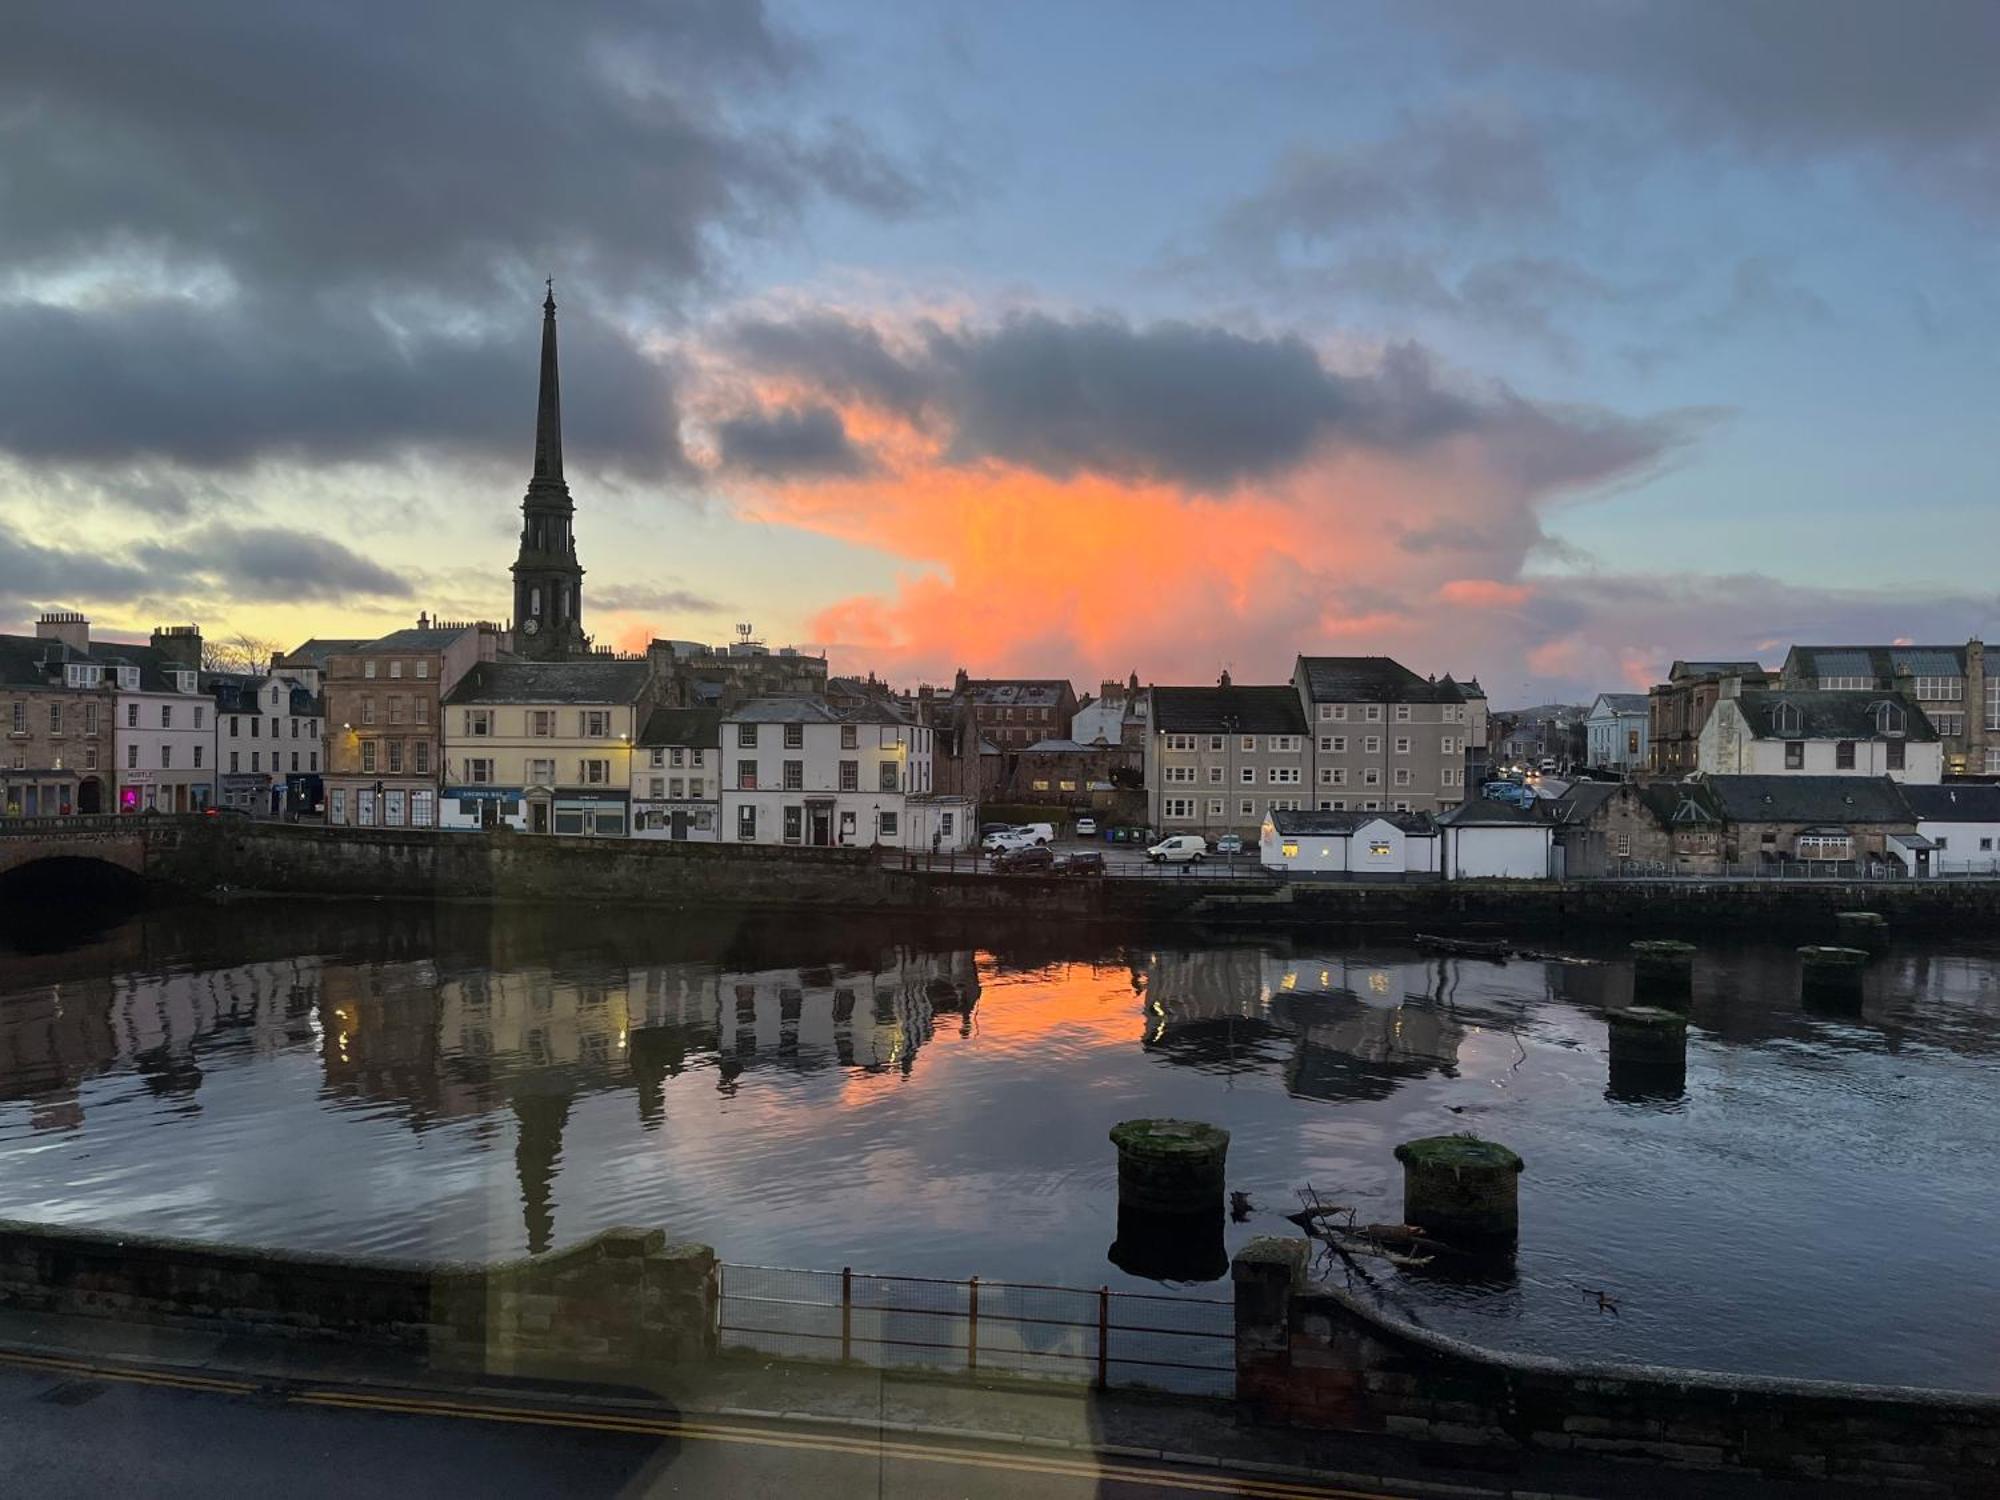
(1485, 593)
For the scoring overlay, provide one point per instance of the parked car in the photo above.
(1036, 833)
(1003, 838)
(1026, 859)
(1180, 849)
(1229, 843)
(1082, 862)
(1086, 828)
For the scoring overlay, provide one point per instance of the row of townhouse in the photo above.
(113, 726)
(1347, 733)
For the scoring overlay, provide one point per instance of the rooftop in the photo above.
(1805, 799)
(697, 727)
(1483, 812)
(795, 710)
(1882, 663)
(1034, 691)
(1965, 802)
(1229, 710)
(1833, 714)
(1341, 824)
(1373, 679)
(1621, 703)
(585, 681)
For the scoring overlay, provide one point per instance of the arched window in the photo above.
(535, 602)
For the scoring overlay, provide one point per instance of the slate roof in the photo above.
(414, 639)
(1883, 663)
(1806, 799)
(1037, 691)
(874, 712)
(1682, 670)
(1067, 747)
(1834, 714)
(1306, 824)
(583, 681)
(1372, 679)
(1582, 800)
(315, 652)
(243, 693)
(1968, 803)
(1484, 812)
(1232, 710)
(784, 711)
(697, 727)
(25, 661)
(1622, 703)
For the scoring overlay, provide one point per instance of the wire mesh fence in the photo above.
(1019, 1329)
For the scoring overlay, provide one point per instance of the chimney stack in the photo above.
(64, 625)
(179, 643)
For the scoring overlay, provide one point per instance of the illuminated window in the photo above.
(1379, 848)
(1290, 851)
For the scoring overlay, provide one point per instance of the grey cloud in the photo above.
(270, 563)
(221, 387)
(33, 574)
(1202, 407)
(790, 442)
(1912, 80)
(1459, 166)
(639, 597)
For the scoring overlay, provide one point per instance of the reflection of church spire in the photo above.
(655, 1054)
(537, 1155)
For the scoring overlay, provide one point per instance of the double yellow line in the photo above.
(639, 1424)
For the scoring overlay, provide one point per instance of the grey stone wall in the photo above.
(1312, 1356)
(627, 1303)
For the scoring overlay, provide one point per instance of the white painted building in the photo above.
(677, 776)
(267, 728)
(1486, 840)
(1819, 732)
(1962, 822)
(164, 732)
(796, 772)
(1616, 732)
(1350, 845)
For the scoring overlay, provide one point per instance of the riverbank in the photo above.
(238, 857)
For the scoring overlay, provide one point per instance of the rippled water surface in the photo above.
(1820, 1199)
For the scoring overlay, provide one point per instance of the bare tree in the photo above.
(242, 652)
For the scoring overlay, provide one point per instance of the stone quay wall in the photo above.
(1311, 1355)
(623, 1302)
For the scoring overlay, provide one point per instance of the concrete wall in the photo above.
(622, 1303)
(1510, 852)
(1312, 1356)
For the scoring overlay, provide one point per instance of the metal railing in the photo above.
(1102, 1338)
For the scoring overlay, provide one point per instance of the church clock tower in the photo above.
(548, 584)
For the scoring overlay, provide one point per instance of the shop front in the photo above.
(469, 808)
(590, 814)
(38, 794)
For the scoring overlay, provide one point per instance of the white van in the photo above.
(1182, 848)
(1035, 833)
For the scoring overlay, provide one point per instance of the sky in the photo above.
(1543, 342)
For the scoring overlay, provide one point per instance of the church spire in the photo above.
(548, 414)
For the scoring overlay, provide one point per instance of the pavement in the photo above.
(90, 1406)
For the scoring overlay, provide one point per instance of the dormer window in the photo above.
(184, 681)
(1787, 720)
(128, 678)
(1890, 718)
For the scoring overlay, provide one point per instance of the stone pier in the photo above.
(1463, 1190)
(1663, 972)
(1830, 978)
(1866, 930)
(1648, 1052)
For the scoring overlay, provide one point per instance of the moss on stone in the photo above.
(1458, 1153)
(1649, 1018)
(1825, 956)
(1169, 1140)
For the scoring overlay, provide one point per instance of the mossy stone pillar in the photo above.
(1170, 1166)
(1648, 1052)
(1830, 978)
(1663, 972)
(1866, 930)
(1463, 1190)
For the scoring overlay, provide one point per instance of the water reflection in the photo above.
(935, 1101)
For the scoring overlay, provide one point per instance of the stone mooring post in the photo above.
(1648, 1052)
(1462, 1189)
(1170, 1192)
(1866, 930)
(1663, 973)
(1830, 978)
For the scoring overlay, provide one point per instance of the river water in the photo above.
(1819, 1200)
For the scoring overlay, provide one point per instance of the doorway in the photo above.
(90, 795)
(680, 825)
(822, 827)
(538, 817)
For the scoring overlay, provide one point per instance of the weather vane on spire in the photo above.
(550, 283)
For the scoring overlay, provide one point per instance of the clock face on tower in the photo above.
(531, 625)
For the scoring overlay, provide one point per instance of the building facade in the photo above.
(1962, 822)
(56, 710)
(1953, 685)
(1678, 709)
(677, 776)
(1383, 737)
(796, 772)
(1223, 759)
(545, 747)
(1618, 732)
(267, 733)
(385, 721)
(164, 737)
(1808, 732)
(1015, 712)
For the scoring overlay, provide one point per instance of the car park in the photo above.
(1025, 859)
(1179, 849)
(1036, 833)
(1086, 828)
(1082, 862)
(1229, 843)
